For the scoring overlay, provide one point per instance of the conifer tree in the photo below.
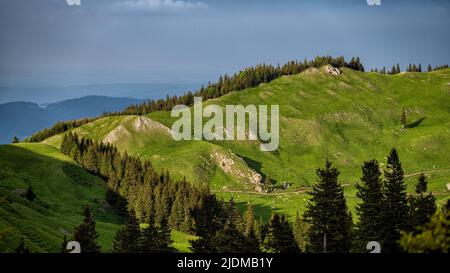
(249, 218)
(393, 70)
(205, 223)
(75, 154)
(422, 206)
(258, 231)
(177, 214)
(159, 203)
(280, 238)
(90, 159)
(86, 234)
(369, 191)
(163, 238)
(30, 195)
(229, 239)
(187, 224)
(395, 212)
(430, 68)
(328, 215)
(148, 239)
(434, 237)
(233, 212)
(15, 140)
(22, 247)
(300, 229)
(63, 248)
(126, 239)
(250, 234)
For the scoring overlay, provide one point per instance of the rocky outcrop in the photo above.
(311, 70)
(139, 124)
(331, 70)
(328, 69)
(145, 125)
(116, 134)
(234, 166)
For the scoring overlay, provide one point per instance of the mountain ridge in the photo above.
(23, 118)
(347, 118)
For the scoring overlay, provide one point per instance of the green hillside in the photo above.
(346, 118)
(62, 187)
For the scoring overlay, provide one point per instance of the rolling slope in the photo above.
(346, 118)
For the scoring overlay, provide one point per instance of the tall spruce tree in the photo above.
(232, 211)
(328, 215)
(155, 238)
(370, 210)
(421, 205)
(90, 159)
(229, 239)
(163, 238)
(86, 234)
(205, 222)
(177, 215)
(126, 239)
(300, 229)
(258, 230)
(230, 235)
(395, 212)
(280, 237)
(252, 244)
(148, 239)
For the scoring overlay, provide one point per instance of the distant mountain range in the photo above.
(22, 119)
(52, 94)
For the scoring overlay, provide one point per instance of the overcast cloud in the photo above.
(47, 42)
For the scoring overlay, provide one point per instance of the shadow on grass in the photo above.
(415, 123)
(38, 170)
(261, 211)
(257, 166)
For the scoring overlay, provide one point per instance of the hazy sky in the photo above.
(47, 42)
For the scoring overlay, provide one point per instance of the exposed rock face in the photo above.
(116, 134)
(145, 125)
(139, 125)
(311, 70)
(328, 69)
(238, 169)
(332, 70)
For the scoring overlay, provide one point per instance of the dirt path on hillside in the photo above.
(303, 190)
(299, 191)
(426, 172)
